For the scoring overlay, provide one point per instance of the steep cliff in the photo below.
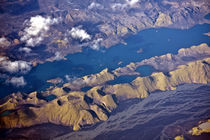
(77, 109)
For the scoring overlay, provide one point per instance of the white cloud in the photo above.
(58, 56)
(126, 4)
(78, 33)
(70, 78)
(36, 28)
(2, 58)
(118, 6)
(87, 80)
(96, 44)
(2, 39)
(78, 81)
(132, 2)
(16, 81)
(4, 42)
(207, 34)
(15, 66)
(95, 5)
(25, 49)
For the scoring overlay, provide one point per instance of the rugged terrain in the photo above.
(104, 23)
(35, 31)
(200, 131)
(77, 108)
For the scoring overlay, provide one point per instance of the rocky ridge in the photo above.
(199, 131)
(78, 109)
(167, 62)
(107, 22)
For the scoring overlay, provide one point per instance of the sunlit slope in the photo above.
(77, 109)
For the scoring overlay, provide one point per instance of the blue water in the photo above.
(153, 42)
(15, 8)
(207, 16)
(145, 70)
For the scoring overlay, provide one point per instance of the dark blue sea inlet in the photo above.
(150, 42)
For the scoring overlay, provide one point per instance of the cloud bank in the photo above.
(4, 42)
(36, 29)
(126, 4)
(118, 6)
(132, 2)
(70, 78)
(14, 66)
(25, 49)
(78, 33)
(58, 56)
(95, 5)
(16, 81)
(96, 44)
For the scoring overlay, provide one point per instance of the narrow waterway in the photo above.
(145, 44)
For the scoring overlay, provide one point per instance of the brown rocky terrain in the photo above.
(168, 62)
(107, 22)
(200, 131)
(101, 23)
(78, 109)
